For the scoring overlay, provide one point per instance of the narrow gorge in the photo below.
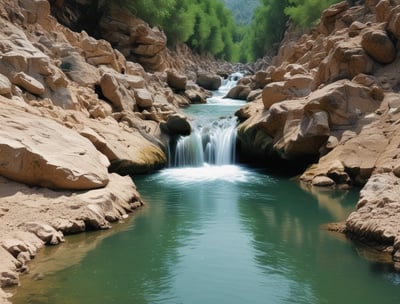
(245, 181)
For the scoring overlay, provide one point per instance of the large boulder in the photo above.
(371, 147)
(378, 45)
(378, 213)
(239, 92)
(129, 150)
(76, 68)
(178, 124)
(38, 151)
(176, 80)
(299, 128)
(346, 59)
(144, 99)
(208, 81)
(297, 85)
(116, 93)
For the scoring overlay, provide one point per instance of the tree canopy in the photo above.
(208, 26)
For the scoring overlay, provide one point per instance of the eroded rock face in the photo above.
(345, 114)
(38, 151)
(378, 213)
(73, 108)
(301, 127)
(31, 217)
(135, 39)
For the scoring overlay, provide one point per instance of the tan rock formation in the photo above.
(135, 39)
(38, 151)
(31, 217)
(346, 117)
(72, 105)
(377, 216)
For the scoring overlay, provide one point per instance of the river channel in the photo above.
(216, 232)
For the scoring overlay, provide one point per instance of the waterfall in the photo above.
(213, 140)
(212, 144)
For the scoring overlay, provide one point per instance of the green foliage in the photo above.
(208, 27)
(205, 25)
(267, 28)
(305, 13)
(242, 10)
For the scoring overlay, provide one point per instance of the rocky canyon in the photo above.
(87, 103)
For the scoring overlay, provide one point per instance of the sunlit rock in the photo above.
(38, 151)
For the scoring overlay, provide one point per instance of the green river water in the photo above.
(215, 234)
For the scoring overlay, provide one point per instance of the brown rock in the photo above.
(261, 79)
(178, 125)
(394, 21)
(208, 81)
(196, 96)
(239, 92)
(134, 38)
(176, 80)
(355, 28)
(273, 93)
(346, 59)
(298, 85)
(382, 10)
(377, 44)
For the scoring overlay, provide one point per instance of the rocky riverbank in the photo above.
(331, 98)
(77, 116)
(78, 113)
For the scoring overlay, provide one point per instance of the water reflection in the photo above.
(232, 236)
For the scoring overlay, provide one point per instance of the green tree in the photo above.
(179, 26)
(305, 13)
(267, 28)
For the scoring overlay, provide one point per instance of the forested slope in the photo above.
(242, 10)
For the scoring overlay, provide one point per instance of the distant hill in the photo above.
(242, 10)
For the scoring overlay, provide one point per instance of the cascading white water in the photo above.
(212, 141)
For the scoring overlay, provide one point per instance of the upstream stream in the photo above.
(214, 231)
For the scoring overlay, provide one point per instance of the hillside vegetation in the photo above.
(242, 10)
(209, 27)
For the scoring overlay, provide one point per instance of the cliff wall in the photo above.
(330, 100)
(77, 114)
